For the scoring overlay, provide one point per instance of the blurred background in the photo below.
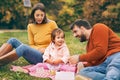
(14, 15)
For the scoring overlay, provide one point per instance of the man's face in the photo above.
(78, 33)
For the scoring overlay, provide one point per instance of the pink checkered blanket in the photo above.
(38, 72)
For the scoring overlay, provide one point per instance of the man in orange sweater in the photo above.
(102, 57)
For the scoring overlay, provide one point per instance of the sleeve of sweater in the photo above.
(97, 44)
(54, 25)
(31, 37)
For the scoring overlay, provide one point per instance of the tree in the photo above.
(13, 14)
(104, 11)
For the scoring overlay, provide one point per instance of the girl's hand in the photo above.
(57, 61)
(49, 61)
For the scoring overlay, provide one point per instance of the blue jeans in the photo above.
(108, 70)
(33, 56)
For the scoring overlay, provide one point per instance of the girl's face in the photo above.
(39, 16)
(59, 39)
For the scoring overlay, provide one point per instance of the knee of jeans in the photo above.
(112, 77)
(21, 49)
(11, 41)
(110, 68)
(112, 73)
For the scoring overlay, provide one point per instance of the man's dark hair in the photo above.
(80, 23)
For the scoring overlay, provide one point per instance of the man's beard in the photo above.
(83, 38)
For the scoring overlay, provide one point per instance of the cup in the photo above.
(52, 72)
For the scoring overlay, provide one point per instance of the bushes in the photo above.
(64, 12)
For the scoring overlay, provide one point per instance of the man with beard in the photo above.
(102, 58)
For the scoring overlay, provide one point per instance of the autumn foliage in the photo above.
(13, 14)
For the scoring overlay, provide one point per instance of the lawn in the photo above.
(74, 46)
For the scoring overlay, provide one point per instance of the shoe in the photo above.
(18, 69)
(79, 77)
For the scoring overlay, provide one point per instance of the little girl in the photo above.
(56, 54)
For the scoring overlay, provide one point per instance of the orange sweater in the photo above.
(102, 43)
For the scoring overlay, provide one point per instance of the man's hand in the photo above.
(74, 59)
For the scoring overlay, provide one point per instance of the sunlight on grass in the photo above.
(22, 36)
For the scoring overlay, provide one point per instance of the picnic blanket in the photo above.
(39, 71)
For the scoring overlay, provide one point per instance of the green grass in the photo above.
(5, 73)
(73, 44)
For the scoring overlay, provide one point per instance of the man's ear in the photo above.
(82, 28)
